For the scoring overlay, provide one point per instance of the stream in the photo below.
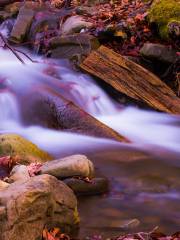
(143, 175)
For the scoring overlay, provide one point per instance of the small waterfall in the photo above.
(9, 111)
(149, 130)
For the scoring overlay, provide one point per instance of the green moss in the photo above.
(162, 12)
(25, 151)
(76, 216)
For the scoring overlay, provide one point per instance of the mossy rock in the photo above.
(21, 150)
(164, 12)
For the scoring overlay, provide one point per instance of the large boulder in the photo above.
(163, 13)
(27, 207)
(21, 150)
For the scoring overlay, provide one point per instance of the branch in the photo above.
(6, 44)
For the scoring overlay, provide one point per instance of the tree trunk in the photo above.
(131, 79)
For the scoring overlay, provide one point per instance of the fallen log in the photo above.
(131, 79)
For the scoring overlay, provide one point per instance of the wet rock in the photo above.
(4, 15)
(72, 45)
(44, 106)
(19, 172)
(13, 8)
(75, 24)
(94, 187)
(22, 150)
(30, 206)
(44, 22)
(163, 12)
(75, 165)
(153, 184)
(22, 25)
(3, 185)
(158, 52)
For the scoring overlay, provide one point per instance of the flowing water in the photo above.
(143, 175)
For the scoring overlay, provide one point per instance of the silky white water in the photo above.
(148, 130)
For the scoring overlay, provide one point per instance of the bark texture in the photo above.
(131, 79)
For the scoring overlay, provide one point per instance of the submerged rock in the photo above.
(82, 187)
(44, 106)
(75, 165)
(162, 13)
(22, 150)
(27, 207)
(158, 52)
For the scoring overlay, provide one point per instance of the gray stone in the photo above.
(82, 187)
(27, 207)
(19, 172)
(75, 24)
(158, 52)
(72, 45)
(22, 24)
(75, 165)
(3, 185)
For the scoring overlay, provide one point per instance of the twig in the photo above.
(11, 48)
(28, 57)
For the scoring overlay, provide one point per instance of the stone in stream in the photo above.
(22, 25)
(75, 165)
(18, 173)
(158, 52)
(46, 107)
(3, 185)
(75, 24)
(82, 187)
(72, 45)
(24, 20)
(21, 150)
(27, 207)
(44, 22)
